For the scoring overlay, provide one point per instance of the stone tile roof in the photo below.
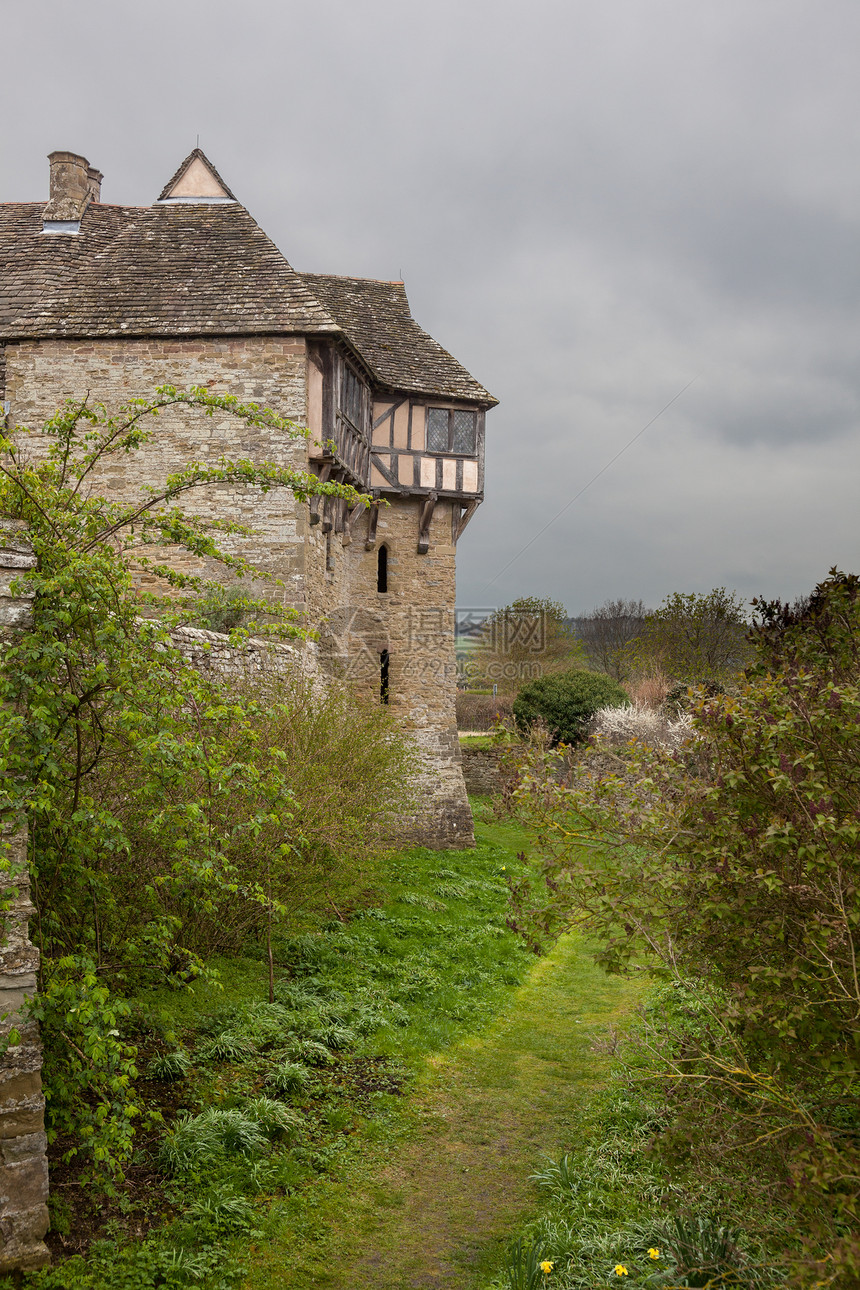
(179, 269)
(195, 268)
(376, 319)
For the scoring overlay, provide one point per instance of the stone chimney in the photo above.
(94, 179)
(74, 184)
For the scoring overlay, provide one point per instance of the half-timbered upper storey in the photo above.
(388, 408)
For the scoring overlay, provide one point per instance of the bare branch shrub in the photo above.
(482, 711)
(648, 725)
(650, 689)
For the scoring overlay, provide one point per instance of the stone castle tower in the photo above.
(116, 300)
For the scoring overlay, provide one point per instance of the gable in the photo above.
(196, 177)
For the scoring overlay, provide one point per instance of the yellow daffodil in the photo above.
(546, 1267)
(653, 1254)
(620, 1270)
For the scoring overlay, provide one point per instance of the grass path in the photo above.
(438, 1209)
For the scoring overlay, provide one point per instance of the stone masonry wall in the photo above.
(414, 622)
(269, 370)
(212, 652)
(23, 1146)
(481, 771)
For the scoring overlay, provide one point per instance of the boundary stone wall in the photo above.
(212, 652)
(481, 771)
(23, 1145)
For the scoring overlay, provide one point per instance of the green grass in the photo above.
(363, 1007)
(482, 742)
(434, 1199)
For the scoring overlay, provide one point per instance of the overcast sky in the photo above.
(592, 204)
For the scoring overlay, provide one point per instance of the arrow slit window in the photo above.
(452, 430)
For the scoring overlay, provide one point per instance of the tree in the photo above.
(529, 638)
(167, 816)
(609, 634)
(697, 638)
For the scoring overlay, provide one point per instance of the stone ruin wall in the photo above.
(23, 1145)
(212, 652)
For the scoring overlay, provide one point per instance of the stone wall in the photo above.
(481, 771)
(212, 652)
(333, 581)
(269, 370)
(23, 1159)
(414, 622)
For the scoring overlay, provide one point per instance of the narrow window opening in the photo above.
(383, 676)
(382, 569)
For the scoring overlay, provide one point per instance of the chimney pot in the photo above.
(94, 181)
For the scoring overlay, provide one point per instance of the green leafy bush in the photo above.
(566, 702)
(91, 1104)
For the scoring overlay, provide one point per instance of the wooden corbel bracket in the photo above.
(372, 521)
(349, 520)
(459, 522)
(325, 471)
(424, 523)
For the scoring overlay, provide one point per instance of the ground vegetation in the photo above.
(169, 818)
(727, 869)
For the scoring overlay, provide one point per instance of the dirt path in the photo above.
(438, 1213)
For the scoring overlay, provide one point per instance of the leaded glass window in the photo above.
(437, 429)
(463, 431)
(452, 430)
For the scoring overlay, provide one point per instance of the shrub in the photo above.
(650, 689)
(638, 721)
(735, 871)
(566, 703)
(697, 638)
(481, 711)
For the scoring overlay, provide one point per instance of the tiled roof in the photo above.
(179, 269)
(197, 268)
(376, 319)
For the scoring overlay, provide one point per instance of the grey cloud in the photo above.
(591, 205)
